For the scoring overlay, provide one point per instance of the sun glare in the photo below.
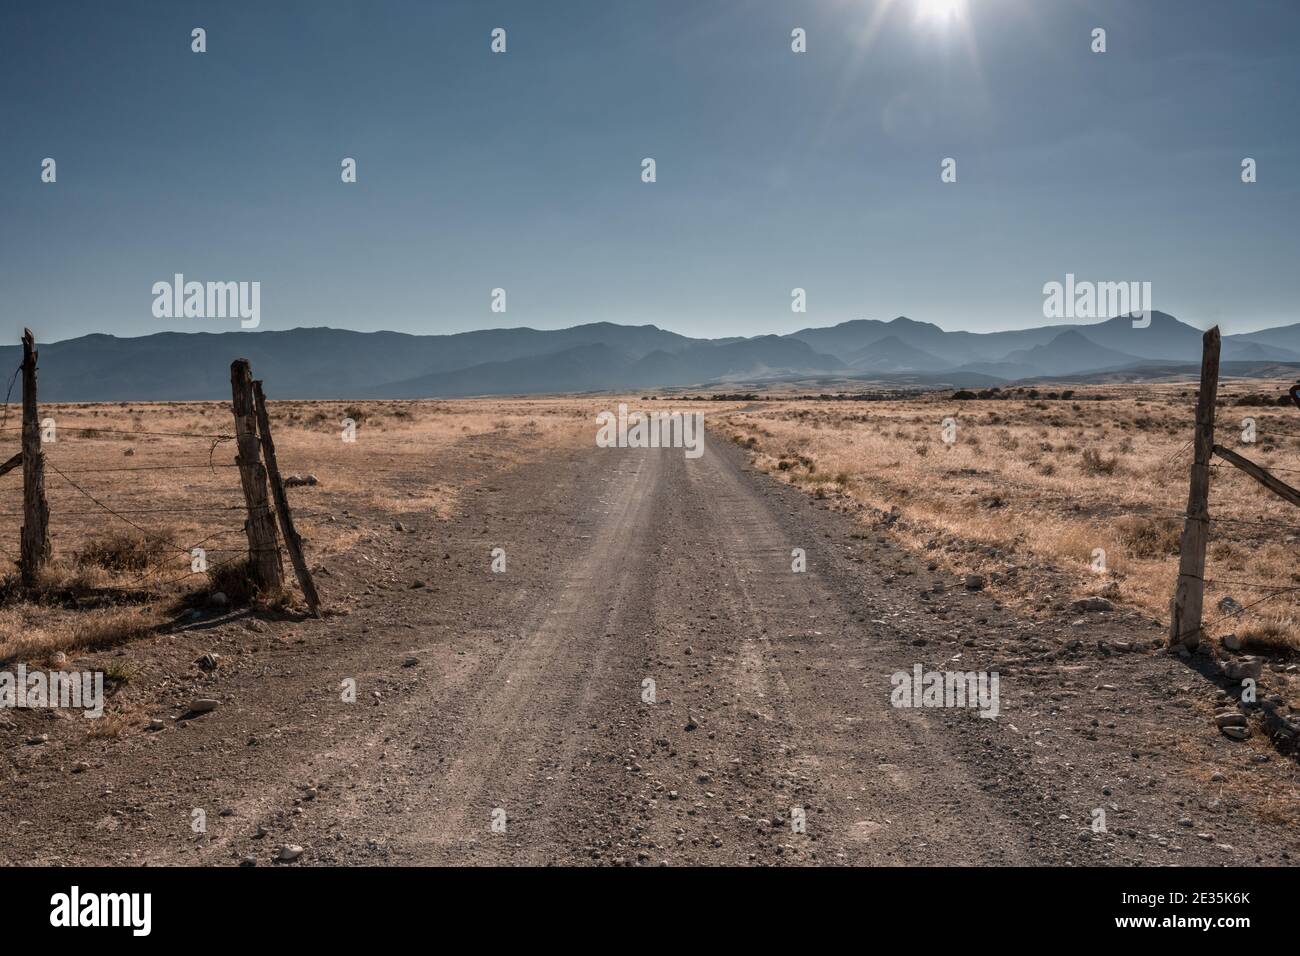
(941, 9)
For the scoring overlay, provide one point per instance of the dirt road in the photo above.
(648, 681)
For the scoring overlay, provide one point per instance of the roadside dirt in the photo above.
(525, 701)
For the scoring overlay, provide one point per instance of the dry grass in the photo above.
(1270, 634)
(1051, 482)
(121, 551)
(93, 631)
(116, 578)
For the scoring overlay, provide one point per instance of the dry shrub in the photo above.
(124, 551)
(1095, 463)
(1270, 634)
(234, 580)
(110, 725)
(1145, 537)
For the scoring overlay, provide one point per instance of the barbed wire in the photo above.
(208, 570)
(197, 467)
(1212, 519)
(1276, 591)
(1246, 584)
(140, 511)
(155, 546)
(121, 515)
(1294, 471)
(12, 379)
(215, 436)
(1172, 458)
(1205, 625)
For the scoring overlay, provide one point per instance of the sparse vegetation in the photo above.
(1270, 634)
(129, 550)
(1146, 537)
(90, 632)
(232, 580)
(1095, 463)
(1032, 482)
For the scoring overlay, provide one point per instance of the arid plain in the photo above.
(937, 530)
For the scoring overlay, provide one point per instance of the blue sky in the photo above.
(522, 171)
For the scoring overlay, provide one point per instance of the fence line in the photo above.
(252, 432)
(1186, 627)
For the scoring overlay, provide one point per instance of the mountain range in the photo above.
(321, 363)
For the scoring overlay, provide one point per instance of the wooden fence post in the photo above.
(291, 539)
(1189, 593)
(35, 536)
(263, 549)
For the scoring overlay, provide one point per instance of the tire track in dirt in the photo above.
(772, 702)
(517, 754)
(861, 761)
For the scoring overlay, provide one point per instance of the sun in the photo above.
(941, 9)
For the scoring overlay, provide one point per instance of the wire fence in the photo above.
(1236, 611)
(119, 519)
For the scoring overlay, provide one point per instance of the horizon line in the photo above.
(647, 325)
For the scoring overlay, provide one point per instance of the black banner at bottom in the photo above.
(211, 906)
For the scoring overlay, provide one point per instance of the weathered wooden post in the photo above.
(291, 539)
(263, 549)
(35, 536)
(1189, 593)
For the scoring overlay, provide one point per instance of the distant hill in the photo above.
(892, 353)
(318, 363)
(1069, 352)
(1248, 351)
(305, 363)
(1284, 337)
(600, 367)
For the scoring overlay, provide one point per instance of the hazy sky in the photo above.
(523, 170)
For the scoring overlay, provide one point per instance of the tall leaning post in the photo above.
(35, 548)
(1189, 593)
(292, 540)
(263, 548)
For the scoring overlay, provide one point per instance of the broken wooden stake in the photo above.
(291, 539)
(1275, 485)
(263, 550)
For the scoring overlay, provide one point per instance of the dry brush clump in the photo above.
(234, 581)
(1271, 634)
(130, 550)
